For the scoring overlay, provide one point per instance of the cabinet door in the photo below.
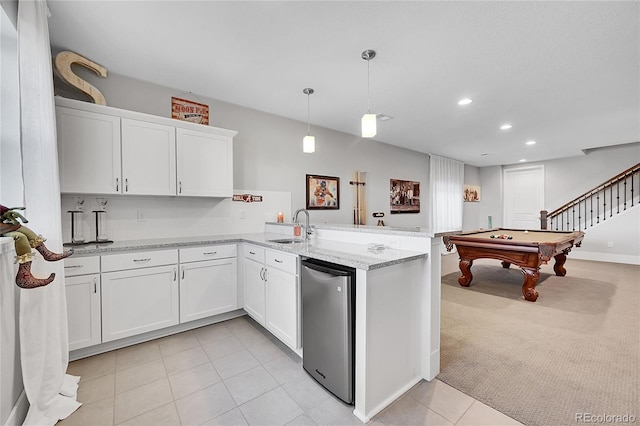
(88, 152)
(282, 306)
(138, 301)
(254, 290)
(148, 158)
(205, 164)
(208, 288)
(83, 310)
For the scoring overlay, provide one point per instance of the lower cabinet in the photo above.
(139, 300)
(82, 289)
(208, 287)
(272, 292)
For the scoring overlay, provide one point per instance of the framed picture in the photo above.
(471, 193)
(323, 192)
(404, 196)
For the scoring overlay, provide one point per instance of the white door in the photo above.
(282, 306)
(83, 310)
(205, 164)
(254, 290)
(139, 300)
(208, 288)
(148, 158)
(88, 152)
(523, 197)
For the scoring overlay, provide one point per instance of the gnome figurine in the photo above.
(25, 239)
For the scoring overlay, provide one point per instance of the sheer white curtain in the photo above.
(44, 347)
(446, 177)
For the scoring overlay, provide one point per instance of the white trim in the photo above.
(604, 257)
(19, 411)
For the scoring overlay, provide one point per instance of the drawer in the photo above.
(135, 260)
(196, 254)
(81, 265)
(253, 252)
(284, 261)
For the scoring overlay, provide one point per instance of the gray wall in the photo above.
(268, 151)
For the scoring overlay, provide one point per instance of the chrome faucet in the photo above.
(307, 228)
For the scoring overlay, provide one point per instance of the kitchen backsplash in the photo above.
(144, 217)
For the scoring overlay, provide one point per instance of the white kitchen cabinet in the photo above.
(272, 292)
(205, 164)
(142, 298)
(148, 158)
(106, 150)
(82, 289)
(254, 282)
(88, 152)
(208, 281)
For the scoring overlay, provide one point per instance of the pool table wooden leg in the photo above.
(558, 267)
(531, 277)
(465, 268)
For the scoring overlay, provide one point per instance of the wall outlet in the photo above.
(243, 214)
(141, 216)
(610, 244)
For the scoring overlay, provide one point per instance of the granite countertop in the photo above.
(359, 256)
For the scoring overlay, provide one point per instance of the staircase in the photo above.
(606, 200)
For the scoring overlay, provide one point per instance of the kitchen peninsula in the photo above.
(397, 308)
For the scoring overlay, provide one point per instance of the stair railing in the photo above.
(606, 200)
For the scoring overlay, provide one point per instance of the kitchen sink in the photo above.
(286, 241)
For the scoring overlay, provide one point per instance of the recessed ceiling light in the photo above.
(465, 101)
(531, 142)
(506, 126)
(522, 160)
(384, 117)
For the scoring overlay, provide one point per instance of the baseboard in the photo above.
(604, 257)
(366, 417)
(19, 411)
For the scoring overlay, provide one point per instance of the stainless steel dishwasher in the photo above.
(328, 325)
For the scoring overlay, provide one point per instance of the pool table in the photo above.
(526, 248)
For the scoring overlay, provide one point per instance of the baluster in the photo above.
(597, 206)
(604, 203)
(579, 217)
(625, 193)
(618, 194)
(591, 210)
(632, 201)
(573, 220)
(610, 201)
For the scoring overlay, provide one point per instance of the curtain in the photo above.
(447, 185)
(44, 347)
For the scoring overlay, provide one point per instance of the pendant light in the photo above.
(368, 119)
(308, 142)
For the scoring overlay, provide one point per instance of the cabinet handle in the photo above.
(251, 253)
(180, 187)
(117, 184)
(175, 274)
(126, 185)
(277, 261)
(266, 276)
(262, 274)
(209, 253)
(95, 285)
(73, 266)
(146, 259)
(183, 272)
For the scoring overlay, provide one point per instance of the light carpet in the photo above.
(575, 351)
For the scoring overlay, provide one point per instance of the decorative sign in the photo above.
(62, 68)
(404, 196)
(185, 110)
(247, 198)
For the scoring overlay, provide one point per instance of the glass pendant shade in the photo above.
(368, 125)
(309, 144)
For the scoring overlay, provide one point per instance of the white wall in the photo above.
(565, 179)
(268, 151)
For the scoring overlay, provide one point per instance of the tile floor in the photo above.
(236, 373)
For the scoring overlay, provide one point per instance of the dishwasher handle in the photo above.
(326, 269)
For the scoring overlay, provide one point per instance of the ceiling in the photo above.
(565, 74)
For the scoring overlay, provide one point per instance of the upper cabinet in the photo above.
(105, 150)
